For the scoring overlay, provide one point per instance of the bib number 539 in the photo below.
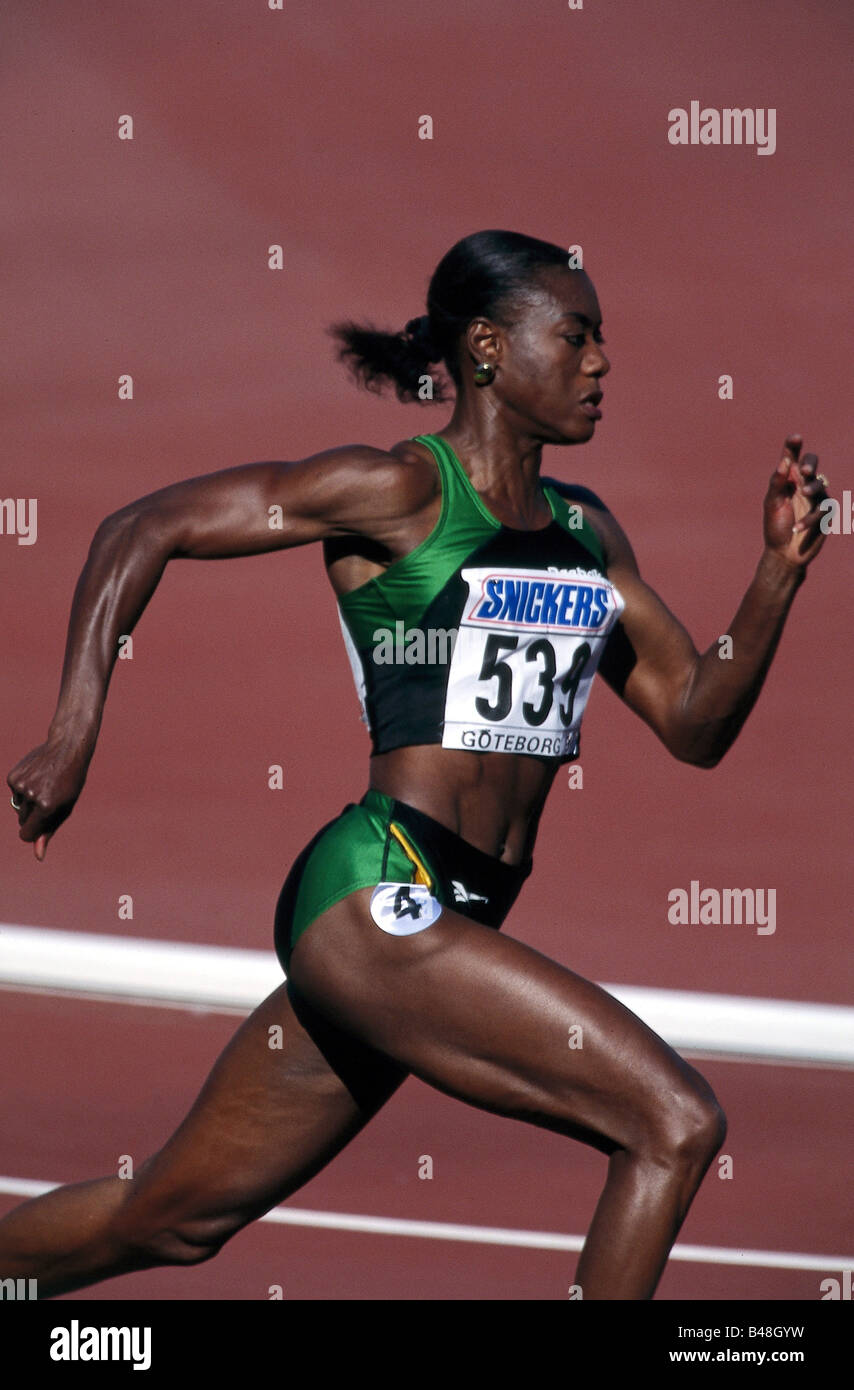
(534, 712)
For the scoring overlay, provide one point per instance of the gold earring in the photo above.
(484, 374)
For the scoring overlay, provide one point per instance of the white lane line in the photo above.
(496, 1235)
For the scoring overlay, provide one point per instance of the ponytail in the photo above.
(480, 276)
(376, 358)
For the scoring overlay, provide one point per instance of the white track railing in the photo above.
(224, 980)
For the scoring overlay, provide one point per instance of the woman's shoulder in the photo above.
(405, 466)
(415, 469)
(367, 481)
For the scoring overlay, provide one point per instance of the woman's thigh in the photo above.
(287, 1093)
(490, 1020)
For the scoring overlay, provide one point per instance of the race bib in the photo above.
(526, 652)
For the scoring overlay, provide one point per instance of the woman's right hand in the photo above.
(47, 783)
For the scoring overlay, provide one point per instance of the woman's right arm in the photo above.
(239, 511)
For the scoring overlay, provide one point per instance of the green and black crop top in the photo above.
(483, 637)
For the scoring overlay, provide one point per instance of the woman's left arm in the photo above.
(695, 703)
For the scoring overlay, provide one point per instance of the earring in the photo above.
(484, 374)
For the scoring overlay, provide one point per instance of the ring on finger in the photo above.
(821, 478)
(16, 804)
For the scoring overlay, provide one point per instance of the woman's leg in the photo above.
(268, 1118)
(487, 1019)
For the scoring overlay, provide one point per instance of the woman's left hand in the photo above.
(792, 506)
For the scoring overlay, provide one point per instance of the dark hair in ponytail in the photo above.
(478, 277)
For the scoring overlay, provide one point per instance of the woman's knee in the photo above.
(690, 1127)
(160, 1230)
(701, 1128)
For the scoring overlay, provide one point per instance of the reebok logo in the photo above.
(462, 894)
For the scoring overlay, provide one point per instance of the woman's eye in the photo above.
(577, 339)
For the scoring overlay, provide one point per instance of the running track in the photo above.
(149, 257)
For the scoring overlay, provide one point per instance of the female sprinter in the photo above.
(387, 924)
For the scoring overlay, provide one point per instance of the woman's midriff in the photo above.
(492, 800)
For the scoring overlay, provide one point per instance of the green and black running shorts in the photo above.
(413, 863)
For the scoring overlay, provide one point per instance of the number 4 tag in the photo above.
(402, 909)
